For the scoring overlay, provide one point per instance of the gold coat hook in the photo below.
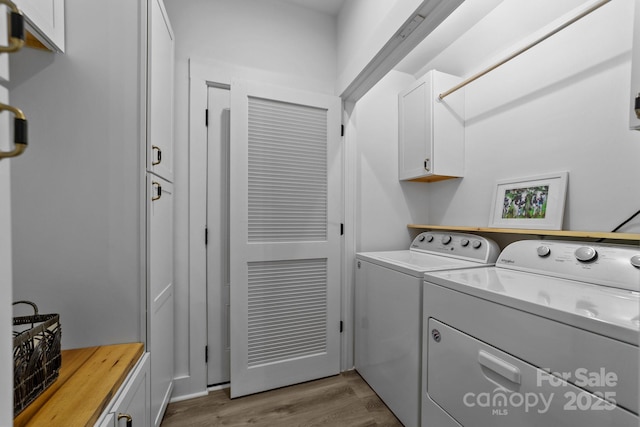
(16, 36)
(19, 131)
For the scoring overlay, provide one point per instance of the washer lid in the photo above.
(415, 263)
(603, 310)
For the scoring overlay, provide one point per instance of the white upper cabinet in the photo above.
(160, 97)
(431, 130)
(45, 20)
(634, 115)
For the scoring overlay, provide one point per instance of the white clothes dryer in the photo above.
(546, 337)
(388, 312)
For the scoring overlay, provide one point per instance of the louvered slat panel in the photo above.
(287, 179)
(287, 306)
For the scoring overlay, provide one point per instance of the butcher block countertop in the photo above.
(88, 380)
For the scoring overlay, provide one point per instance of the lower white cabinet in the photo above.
(161, 293)
(130, 407)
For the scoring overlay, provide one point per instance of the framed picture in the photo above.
(535, 202)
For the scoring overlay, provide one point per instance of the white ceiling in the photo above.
(330, 7)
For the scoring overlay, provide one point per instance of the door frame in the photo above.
(202, 74)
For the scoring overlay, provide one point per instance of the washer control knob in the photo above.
(586, 254)
(446, 240)
(543, 251)
(476, 244)
(429, 238)
(421, 238)
(635, 261)
(464, 242)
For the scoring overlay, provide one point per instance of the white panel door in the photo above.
(285, 174)
(6, 290)
(161, 293)
(218, 338)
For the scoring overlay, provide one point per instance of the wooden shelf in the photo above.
(554, 233)
(89, 378)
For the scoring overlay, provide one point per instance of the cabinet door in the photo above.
(161, 294)
(415, 130)
(108, 421)
(134, 398)
(45, 20)
(431, 130)
(634, 119)
(160, 96)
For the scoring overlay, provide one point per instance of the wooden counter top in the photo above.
(88, 380)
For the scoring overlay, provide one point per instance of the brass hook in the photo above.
(16, 36)
(19, 131)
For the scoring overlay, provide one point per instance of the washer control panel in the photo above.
(605, 264)
(458, 245)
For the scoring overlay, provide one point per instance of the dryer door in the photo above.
(479, 385)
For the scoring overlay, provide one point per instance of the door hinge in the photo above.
(206, 117)
(206, 236)
(341, 130)
(342, 229)
(341, 326)
(206, 354)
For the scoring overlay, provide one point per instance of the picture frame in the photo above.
(535, 202)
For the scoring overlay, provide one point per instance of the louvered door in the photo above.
(285, 237)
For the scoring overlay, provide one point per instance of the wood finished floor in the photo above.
(343, 400)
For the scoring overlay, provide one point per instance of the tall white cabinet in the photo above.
(159, 151)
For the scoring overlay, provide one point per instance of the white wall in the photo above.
(284, 43)
(560, 106)
(384, 205)
(364, 27)
(357, 23)
(75, 191)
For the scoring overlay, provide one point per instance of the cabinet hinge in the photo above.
(341, 130)
(206, 354)
(341, 326)
(206, 236)
(206, 117)
(342, 229)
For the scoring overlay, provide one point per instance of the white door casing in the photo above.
(285, 249)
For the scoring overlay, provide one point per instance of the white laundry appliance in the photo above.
(547, 337)
(388, 312)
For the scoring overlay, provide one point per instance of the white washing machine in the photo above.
(388, 312)
(547, 337)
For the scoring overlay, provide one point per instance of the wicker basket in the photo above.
(36, 355)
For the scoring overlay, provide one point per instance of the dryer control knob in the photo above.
(446, 240)
(421, 238)
(543, 251)
(476, 244)
(464, 243)
(635, 261)
(429, 238)
(586, 254)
